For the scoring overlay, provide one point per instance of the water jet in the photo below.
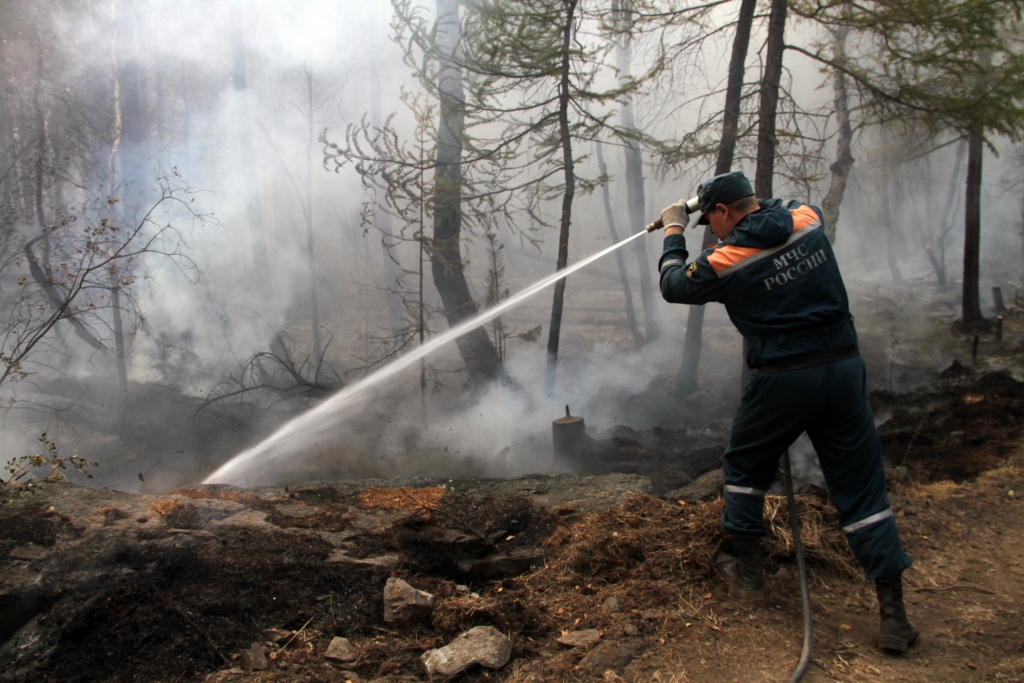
(303, 430)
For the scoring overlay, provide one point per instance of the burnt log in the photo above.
(571, 441)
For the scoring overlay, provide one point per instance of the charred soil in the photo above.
(93, 592)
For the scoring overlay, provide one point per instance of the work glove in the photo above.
(675, 214)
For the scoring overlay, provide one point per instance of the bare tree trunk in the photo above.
(567, 197)
(446, 258)
(635, 200)
(248, 157)
(1022, 230)
(627, 292)
(392, 270)
(40, 152)
(769, 102)
(421, 317)
(313, 304)
(186, 119)
(937, 248)
(686, 381)
(119, 349)
(132, 152)
(890, 232)
(938, 266)
(159, 103)
(40, 164)
(8, 137)
(764, 176)
(840, 168)
(112, 164)
(972, 232)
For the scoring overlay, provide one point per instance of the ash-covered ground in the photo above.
(101, 585)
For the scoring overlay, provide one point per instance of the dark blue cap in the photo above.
(722, 189)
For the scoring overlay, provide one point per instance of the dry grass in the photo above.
(649, 553)
(166, 507)
(404, 498)
(648, 538)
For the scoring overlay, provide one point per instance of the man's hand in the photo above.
(674, 217)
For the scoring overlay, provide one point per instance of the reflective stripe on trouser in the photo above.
(829, 402)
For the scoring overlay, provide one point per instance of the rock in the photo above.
(607, 655)
(706, 486)
(584, 639)
(505, 565)
(278, 636)
(611, 604)
(898, 475)
(297, 511)
(630, 630)
(254, 659)
(483, 645)
(404, 604)
(340, 650)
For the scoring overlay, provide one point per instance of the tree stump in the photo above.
(997, 298)
(570, 440)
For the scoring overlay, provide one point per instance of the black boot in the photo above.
(896, 633)
(743, 571)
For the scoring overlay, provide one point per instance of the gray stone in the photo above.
(611, 604)
(278, 636)
(505, 565)
(484, 646)
(707, 485)
(297, 511)
(404, 604)
(340, 650)
(606, 656)
(630, 630)
(583, 639)
(253, 659)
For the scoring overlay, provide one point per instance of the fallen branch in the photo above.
(956, 586)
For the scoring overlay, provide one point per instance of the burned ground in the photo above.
(954, 429)
(102, 585)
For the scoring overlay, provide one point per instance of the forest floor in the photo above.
(100, 585)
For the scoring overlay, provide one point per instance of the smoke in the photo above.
(194, 340)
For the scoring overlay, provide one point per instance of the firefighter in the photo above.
(775, 271)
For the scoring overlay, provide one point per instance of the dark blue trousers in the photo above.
(830, 403)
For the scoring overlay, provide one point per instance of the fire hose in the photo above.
(805, 590)
(692, 206)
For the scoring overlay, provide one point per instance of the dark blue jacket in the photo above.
(776, 275)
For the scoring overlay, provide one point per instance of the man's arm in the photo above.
(696, 283)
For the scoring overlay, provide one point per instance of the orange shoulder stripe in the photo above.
(803, 217)
(730, 255)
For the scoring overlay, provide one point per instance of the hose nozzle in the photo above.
(691, 205)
